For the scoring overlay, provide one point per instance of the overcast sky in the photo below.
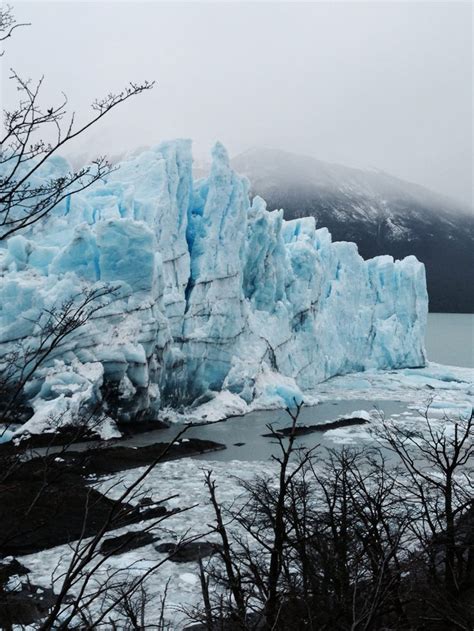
(377, 84)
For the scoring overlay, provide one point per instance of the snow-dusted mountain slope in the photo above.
(382, 214)
(212, 293)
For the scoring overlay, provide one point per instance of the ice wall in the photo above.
(210, 291)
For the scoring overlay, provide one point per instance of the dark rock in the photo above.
(24, 606)
(186, 552)
(239, 444)
(126, 542)
(70, 434)
(66, 435)
(131, 428)
(105, 460)
(11, 567)
(301, 430)
(154, 512)
(36, 516)
(44, 499)
(146, 501)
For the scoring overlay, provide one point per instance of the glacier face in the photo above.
(211, 291)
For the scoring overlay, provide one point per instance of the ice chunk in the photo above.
(66, 395)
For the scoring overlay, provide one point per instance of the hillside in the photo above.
(381, 213)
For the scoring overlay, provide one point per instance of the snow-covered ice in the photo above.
(452, 383)
(185, 477)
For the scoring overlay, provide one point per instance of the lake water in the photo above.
(249, 429)
(450, 339)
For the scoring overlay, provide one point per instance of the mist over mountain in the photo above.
(381, 213)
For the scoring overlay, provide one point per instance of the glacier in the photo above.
(211, 295)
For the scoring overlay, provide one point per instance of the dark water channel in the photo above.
(248, 429)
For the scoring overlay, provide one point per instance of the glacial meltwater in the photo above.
(450, 339)
(243, 435)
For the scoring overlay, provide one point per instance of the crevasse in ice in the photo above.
(212, 293)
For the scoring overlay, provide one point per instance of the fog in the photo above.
(384, 85)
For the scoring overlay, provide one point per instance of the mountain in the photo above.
(379, 212)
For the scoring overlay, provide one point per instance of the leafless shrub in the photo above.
(354, 539)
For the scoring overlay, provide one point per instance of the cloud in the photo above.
(364, 84)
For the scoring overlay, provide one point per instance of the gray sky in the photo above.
(377, 84)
